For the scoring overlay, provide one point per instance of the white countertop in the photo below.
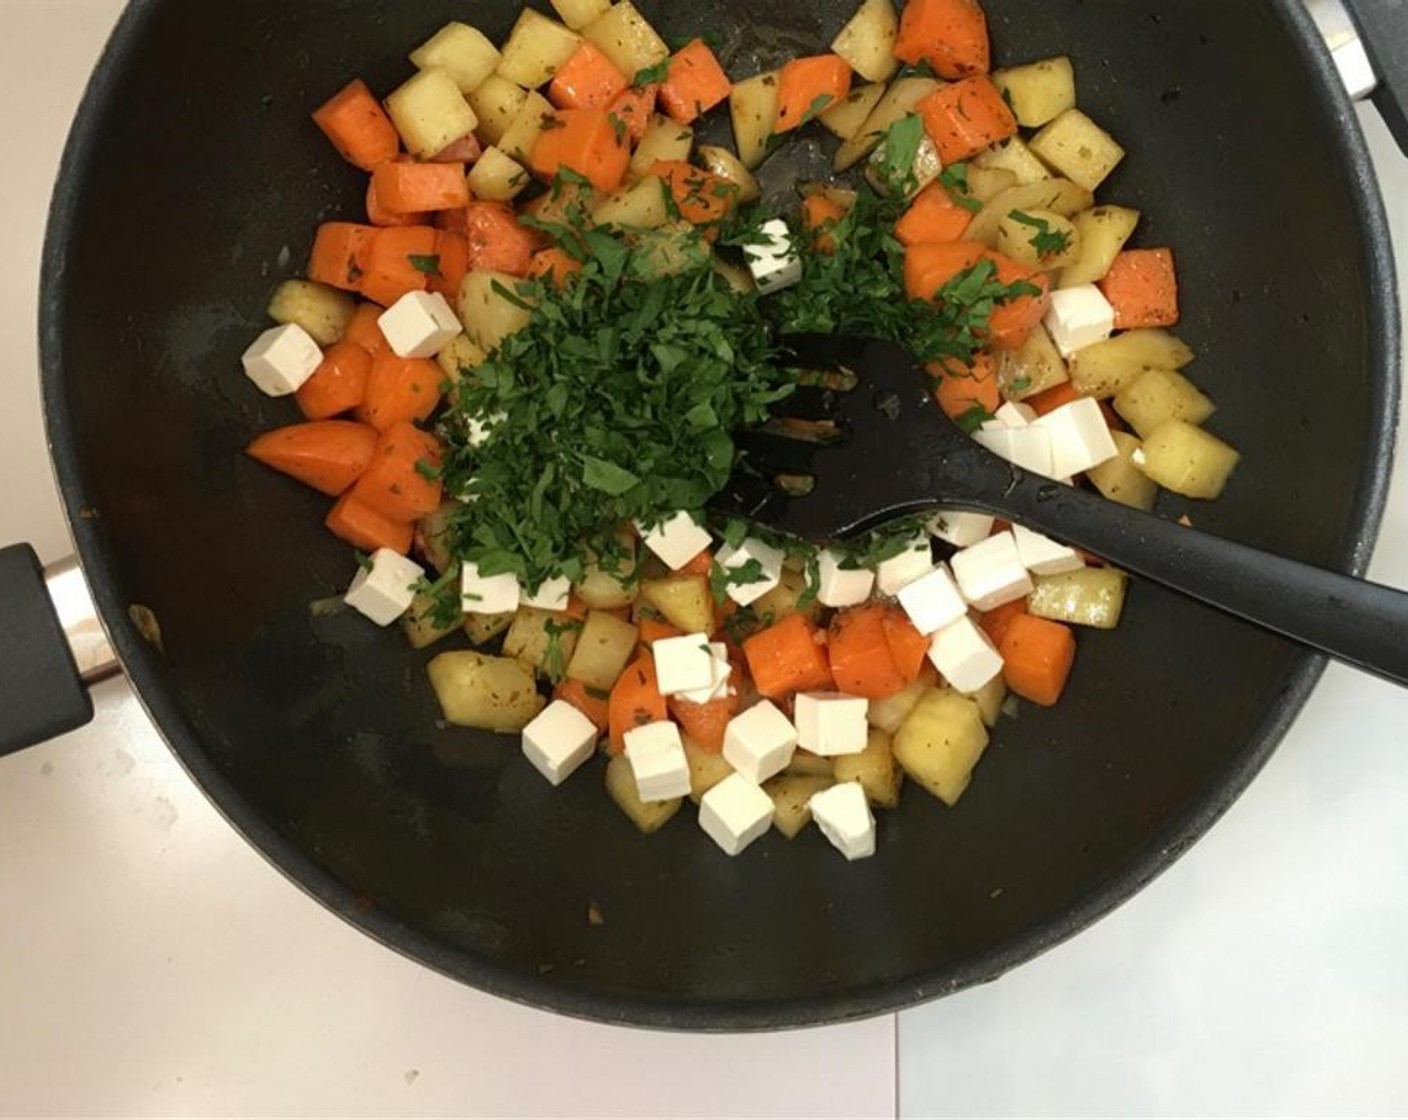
(151, 963)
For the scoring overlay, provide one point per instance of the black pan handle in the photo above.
(1383, 29)
(1363, 624)
(41, 691)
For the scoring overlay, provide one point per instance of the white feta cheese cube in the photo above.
(933, 601)
(722, 673)
(1028, 448)
(1080, 437)
(768, 569)
(916, 560)
(384, 588)
(552, 595)
(488, 594)
(774, 262)
(960, 527)
(735, 813)
(1079, 317)
(991, 573)
(281, 360)
(419, 325)
(478, 429)
(838, 586)
(844, 817)
(831, 723)
(684, 664)
(1042, 556)
(558, 741)
(676, 540)
(658, 761)
(965, 656)
(760, 742)
(1015, 414)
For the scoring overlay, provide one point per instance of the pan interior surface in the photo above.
(193, 185)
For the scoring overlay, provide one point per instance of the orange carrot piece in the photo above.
(338, 385)
(327, 455)
(928, 267)
(1037, 656)
(400, 389)
(576, 608)
(365, 329)
(651, 630)
(450, 221)
(585, 141)
(591, 702)
(820, 214)
(587, 80)
(398, 261)
(633, 109)
(635, 701)
(966, 117)
(703, 198)
(859, 653)
(382, 216)
(339, 254)
(556, 264)
(363, 527)
(997, 622)
(1051, 399)
(1012, 323)
(908, 647)
(402, 481)
(701, 565)
(419, 188)
(933, 218)
(452, 263)
(1142, 286)
(961, 388)
(807, 87)
(787, 658)
(358, 127)
(951, 35)
(496, 240)
(706, 723)
(696, 83)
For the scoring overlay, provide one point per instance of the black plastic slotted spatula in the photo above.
(894, 453)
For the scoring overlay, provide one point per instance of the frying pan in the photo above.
(192, 183)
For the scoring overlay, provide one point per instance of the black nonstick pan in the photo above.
(191, 186)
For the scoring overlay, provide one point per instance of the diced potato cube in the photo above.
(497, 177)
(576, 14)
(726, 165)
(566, 206)
(1039, 92)
(427, 623)
(526, 126)
(536, 49)
(990, 699)
(1187, 460)
(706, 769)
(786, 599)
(484, 628)
(627, 39)
(1059, 196)
(1078, 148)
(490, 693)
(887, 715)
(663, 140)
(1039, 239)
(604, 647)
(876, 770)
(941, 742)
(986, 183)
(543, 639)
(791, 797)
(462, 354)
(684, 601)
(846, 118)
(640, 205)
(463, 52)
(753, 106)
(897, 104)
(1091, 597)
(1102, 370)
(867, 42)
(738, 277)
(812, 765)
(1033, 369)
(488, 315)
(1120, 480)
(1103, 232)
(608, 583)
(1161, 395)
(923, 171)
(430, 113)
(648, 816)
(433, 536)
(1014, 156)
(671, 250)
(496, 103)
(321, 311)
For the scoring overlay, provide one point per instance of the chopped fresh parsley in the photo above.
(652, 74)
(897, 154)
(954, 178)
(1046, 241)
(430, 264)
(721, 578)
(554, 658)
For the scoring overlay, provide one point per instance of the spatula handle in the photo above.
(1360, 623)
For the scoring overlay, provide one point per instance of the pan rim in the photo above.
(146, 673)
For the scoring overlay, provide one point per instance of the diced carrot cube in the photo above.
(696, 83)
(950, 35)
(339, 254)
(496, 240)
(586, 141)
(808, 87)
(358, 127)
(964, 118)
(1142, 286)
(419, 188)
(587, 80)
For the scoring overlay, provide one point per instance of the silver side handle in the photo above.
(73, 602)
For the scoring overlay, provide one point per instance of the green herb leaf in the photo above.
(652, 74)
(430, 265)
(607, 477)
(898, 152)
(1046, 241)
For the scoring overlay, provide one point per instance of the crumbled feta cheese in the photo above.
(1042, 556)
(722, 673)
(282, 359)
(1080, 437)
(990, 573)
(932, 601)
(558, 741)
(419, 325)
(1014, 414)
(384, 589)
(774, 262)
(552, 595)
(1079, 317)
(844, 817)
(1028, 448)
(965, 656)
(769, 567)
(684, 664)
(831, 723)
(478, 429)
(838, 586)
(760, 742)
(961, 528)
(658, 761)
(488, 594)
(916, 560)
(676, 540)
(735, 813)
